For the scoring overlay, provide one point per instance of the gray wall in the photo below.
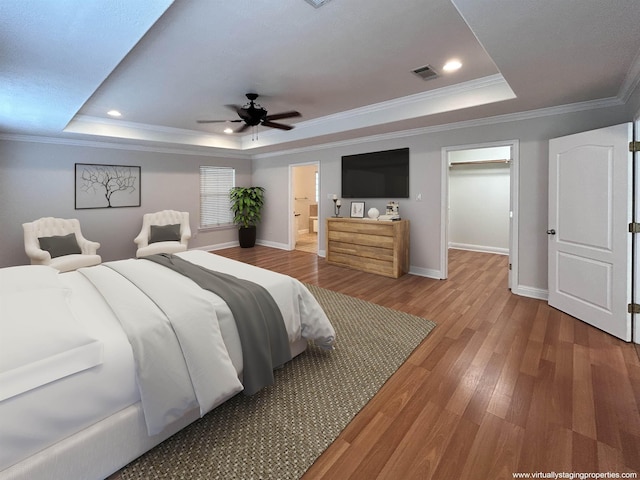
(425, 165)
(37, 180)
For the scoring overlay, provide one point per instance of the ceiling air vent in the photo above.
(316, 3)
(426, 73)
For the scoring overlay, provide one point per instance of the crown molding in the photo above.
(446, 92)
(88, 125)
(209, 152)
(509, 117)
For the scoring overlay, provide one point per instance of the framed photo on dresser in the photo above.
(357, 209)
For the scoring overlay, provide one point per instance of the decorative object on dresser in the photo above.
(376, 247)
(246, 205)
(373, 213)
(337, 203)
(392, 212)
(357, 209)
(59, 243)
(167, 231)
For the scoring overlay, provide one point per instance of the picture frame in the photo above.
(357, 209)
(107, 186)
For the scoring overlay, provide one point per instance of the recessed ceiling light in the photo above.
(114, 113)
(228, 130)
(452, 66)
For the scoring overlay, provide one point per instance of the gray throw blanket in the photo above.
(264, 339)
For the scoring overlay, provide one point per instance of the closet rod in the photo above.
(480, 162)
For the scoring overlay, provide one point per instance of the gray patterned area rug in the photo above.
(279, 432)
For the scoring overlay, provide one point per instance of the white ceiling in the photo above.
(345, 66)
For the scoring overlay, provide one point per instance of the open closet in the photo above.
(479, 198)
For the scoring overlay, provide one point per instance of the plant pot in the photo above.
(247, 236)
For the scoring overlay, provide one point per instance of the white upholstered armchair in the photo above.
(167, 231)
(58, 242)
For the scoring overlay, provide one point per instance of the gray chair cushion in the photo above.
(60, 245)
(165, 233)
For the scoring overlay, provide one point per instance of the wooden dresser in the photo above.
(372, 246)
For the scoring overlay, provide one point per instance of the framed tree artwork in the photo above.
(106, 186)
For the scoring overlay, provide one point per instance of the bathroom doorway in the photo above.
(305, 190)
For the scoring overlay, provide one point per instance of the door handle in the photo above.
(551, 232)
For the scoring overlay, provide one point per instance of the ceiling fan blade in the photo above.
(236, 108)
(217, 121)
(242, 128)
(281, 126)
(279, 116)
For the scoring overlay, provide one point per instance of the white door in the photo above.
(590, 195)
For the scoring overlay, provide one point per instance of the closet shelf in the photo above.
(481, 162)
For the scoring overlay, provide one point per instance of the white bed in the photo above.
(70, 404)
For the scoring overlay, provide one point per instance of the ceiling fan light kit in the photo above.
(253, 115)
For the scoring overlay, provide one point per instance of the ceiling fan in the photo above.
(252, 114)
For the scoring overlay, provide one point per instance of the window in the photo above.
(215, 207)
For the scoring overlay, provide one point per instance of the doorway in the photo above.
(304, 222)
(479, 201)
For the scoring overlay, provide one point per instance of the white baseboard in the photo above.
(479, 248)
(530, 292)
(426, 272)
(280, 246)
(221, 246)
(217, 246)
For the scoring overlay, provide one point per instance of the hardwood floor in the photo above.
(504, 383)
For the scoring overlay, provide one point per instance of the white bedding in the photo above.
(42, 416)
(180, 355)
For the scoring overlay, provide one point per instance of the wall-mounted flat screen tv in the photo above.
(376, 174)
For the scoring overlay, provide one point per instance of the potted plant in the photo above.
(246, 205)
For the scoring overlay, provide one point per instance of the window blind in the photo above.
(215, 207)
